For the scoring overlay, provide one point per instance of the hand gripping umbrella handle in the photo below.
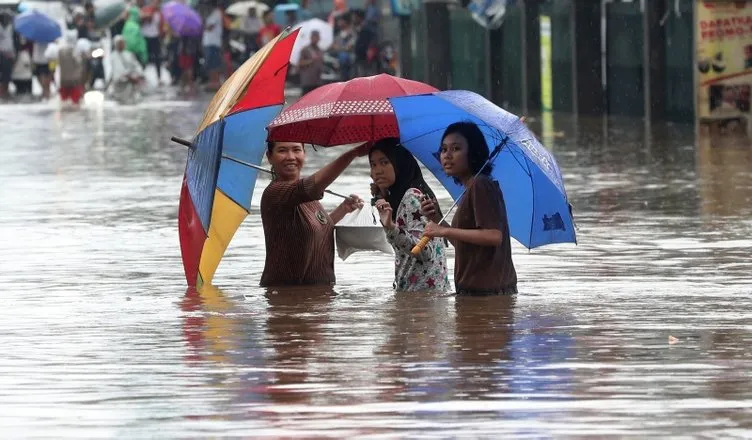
(418, 248)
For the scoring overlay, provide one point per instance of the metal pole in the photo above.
(190, 145)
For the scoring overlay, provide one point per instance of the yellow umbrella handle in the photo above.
(421, 244)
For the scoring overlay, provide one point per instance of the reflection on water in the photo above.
(724, 171)
(102, 339)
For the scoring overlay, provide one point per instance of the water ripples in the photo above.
(102, 339)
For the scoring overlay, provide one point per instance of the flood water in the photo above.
(101, 339)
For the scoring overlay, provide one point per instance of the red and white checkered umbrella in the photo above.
(346, 112)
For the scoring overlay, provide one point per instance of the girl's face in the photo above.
(287, 159)
(382, 171)
(453, 156)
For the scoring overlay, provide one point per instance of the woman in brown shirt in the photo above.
(479, 230)
(299, 234)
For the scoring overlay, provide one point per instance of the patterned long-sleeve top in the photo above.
(428, 270)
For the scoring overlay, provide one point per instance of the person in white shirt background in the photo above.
(212, 42)
(22, 71)
(251, 27)
(150, 28)
(127, 72)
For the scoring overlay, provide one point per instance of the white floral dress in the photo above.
(428, 270)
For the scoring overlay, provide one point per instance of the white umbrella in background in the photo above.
(241, 8)
(326, 32)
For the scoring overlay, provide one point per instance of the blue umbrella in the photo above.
(537, 206)
(35, 26)
(281, 10)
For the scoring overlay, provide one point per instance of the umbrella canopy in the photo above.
(345, 112)
(537, 206)
(281, 10)
(325, 30)
(183, 20)
(217, 188)
(107, 12)
(241, 8)
(36, 26)
(54, 9)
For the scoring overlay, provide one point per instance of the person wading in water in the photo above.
(480, 230)
(299, 234)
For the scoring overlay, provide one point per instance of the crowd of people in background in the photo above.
(140, 37)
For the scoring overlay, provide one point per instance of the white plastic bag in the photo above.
(361, 230)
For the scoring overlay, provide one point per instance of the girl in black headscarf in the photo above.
(398, 188)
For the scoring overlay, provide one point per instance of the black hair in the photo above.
(407, 173)
(477, 148)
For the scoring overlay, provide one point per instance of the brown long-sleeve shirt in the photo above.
(483, 269)
(299, 235)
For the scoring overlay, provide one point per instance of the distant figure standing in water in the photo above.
(480, 230)
(71, 65)
(299, 234)
(311, 64)
(399, 190)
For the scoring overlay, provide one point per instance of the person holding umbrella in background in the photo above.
(311, 64)
(251, 26)
(185, 29)
(38, 30)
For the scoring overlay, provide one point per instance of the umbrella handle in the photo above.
(183, 142)
(418, 248)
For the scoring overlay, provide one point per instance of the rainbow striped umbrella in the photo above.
(219, 176)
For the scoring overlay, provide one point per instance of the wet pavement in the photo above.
(102, 339)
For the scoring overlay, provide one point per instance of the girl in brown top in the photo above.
(299, 234)
(479, 231)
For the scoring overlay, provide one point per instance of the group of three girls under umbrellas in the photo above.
(504, 182)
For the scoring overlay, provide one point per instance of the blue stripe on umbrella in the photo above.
(529, 177)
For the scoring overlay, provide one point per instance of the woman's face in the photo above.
(287, 159)
(382, 171)
(453, 156)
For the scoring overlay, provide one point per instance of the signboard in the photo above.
(547, 86)
(723, 44)
(489, 13)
